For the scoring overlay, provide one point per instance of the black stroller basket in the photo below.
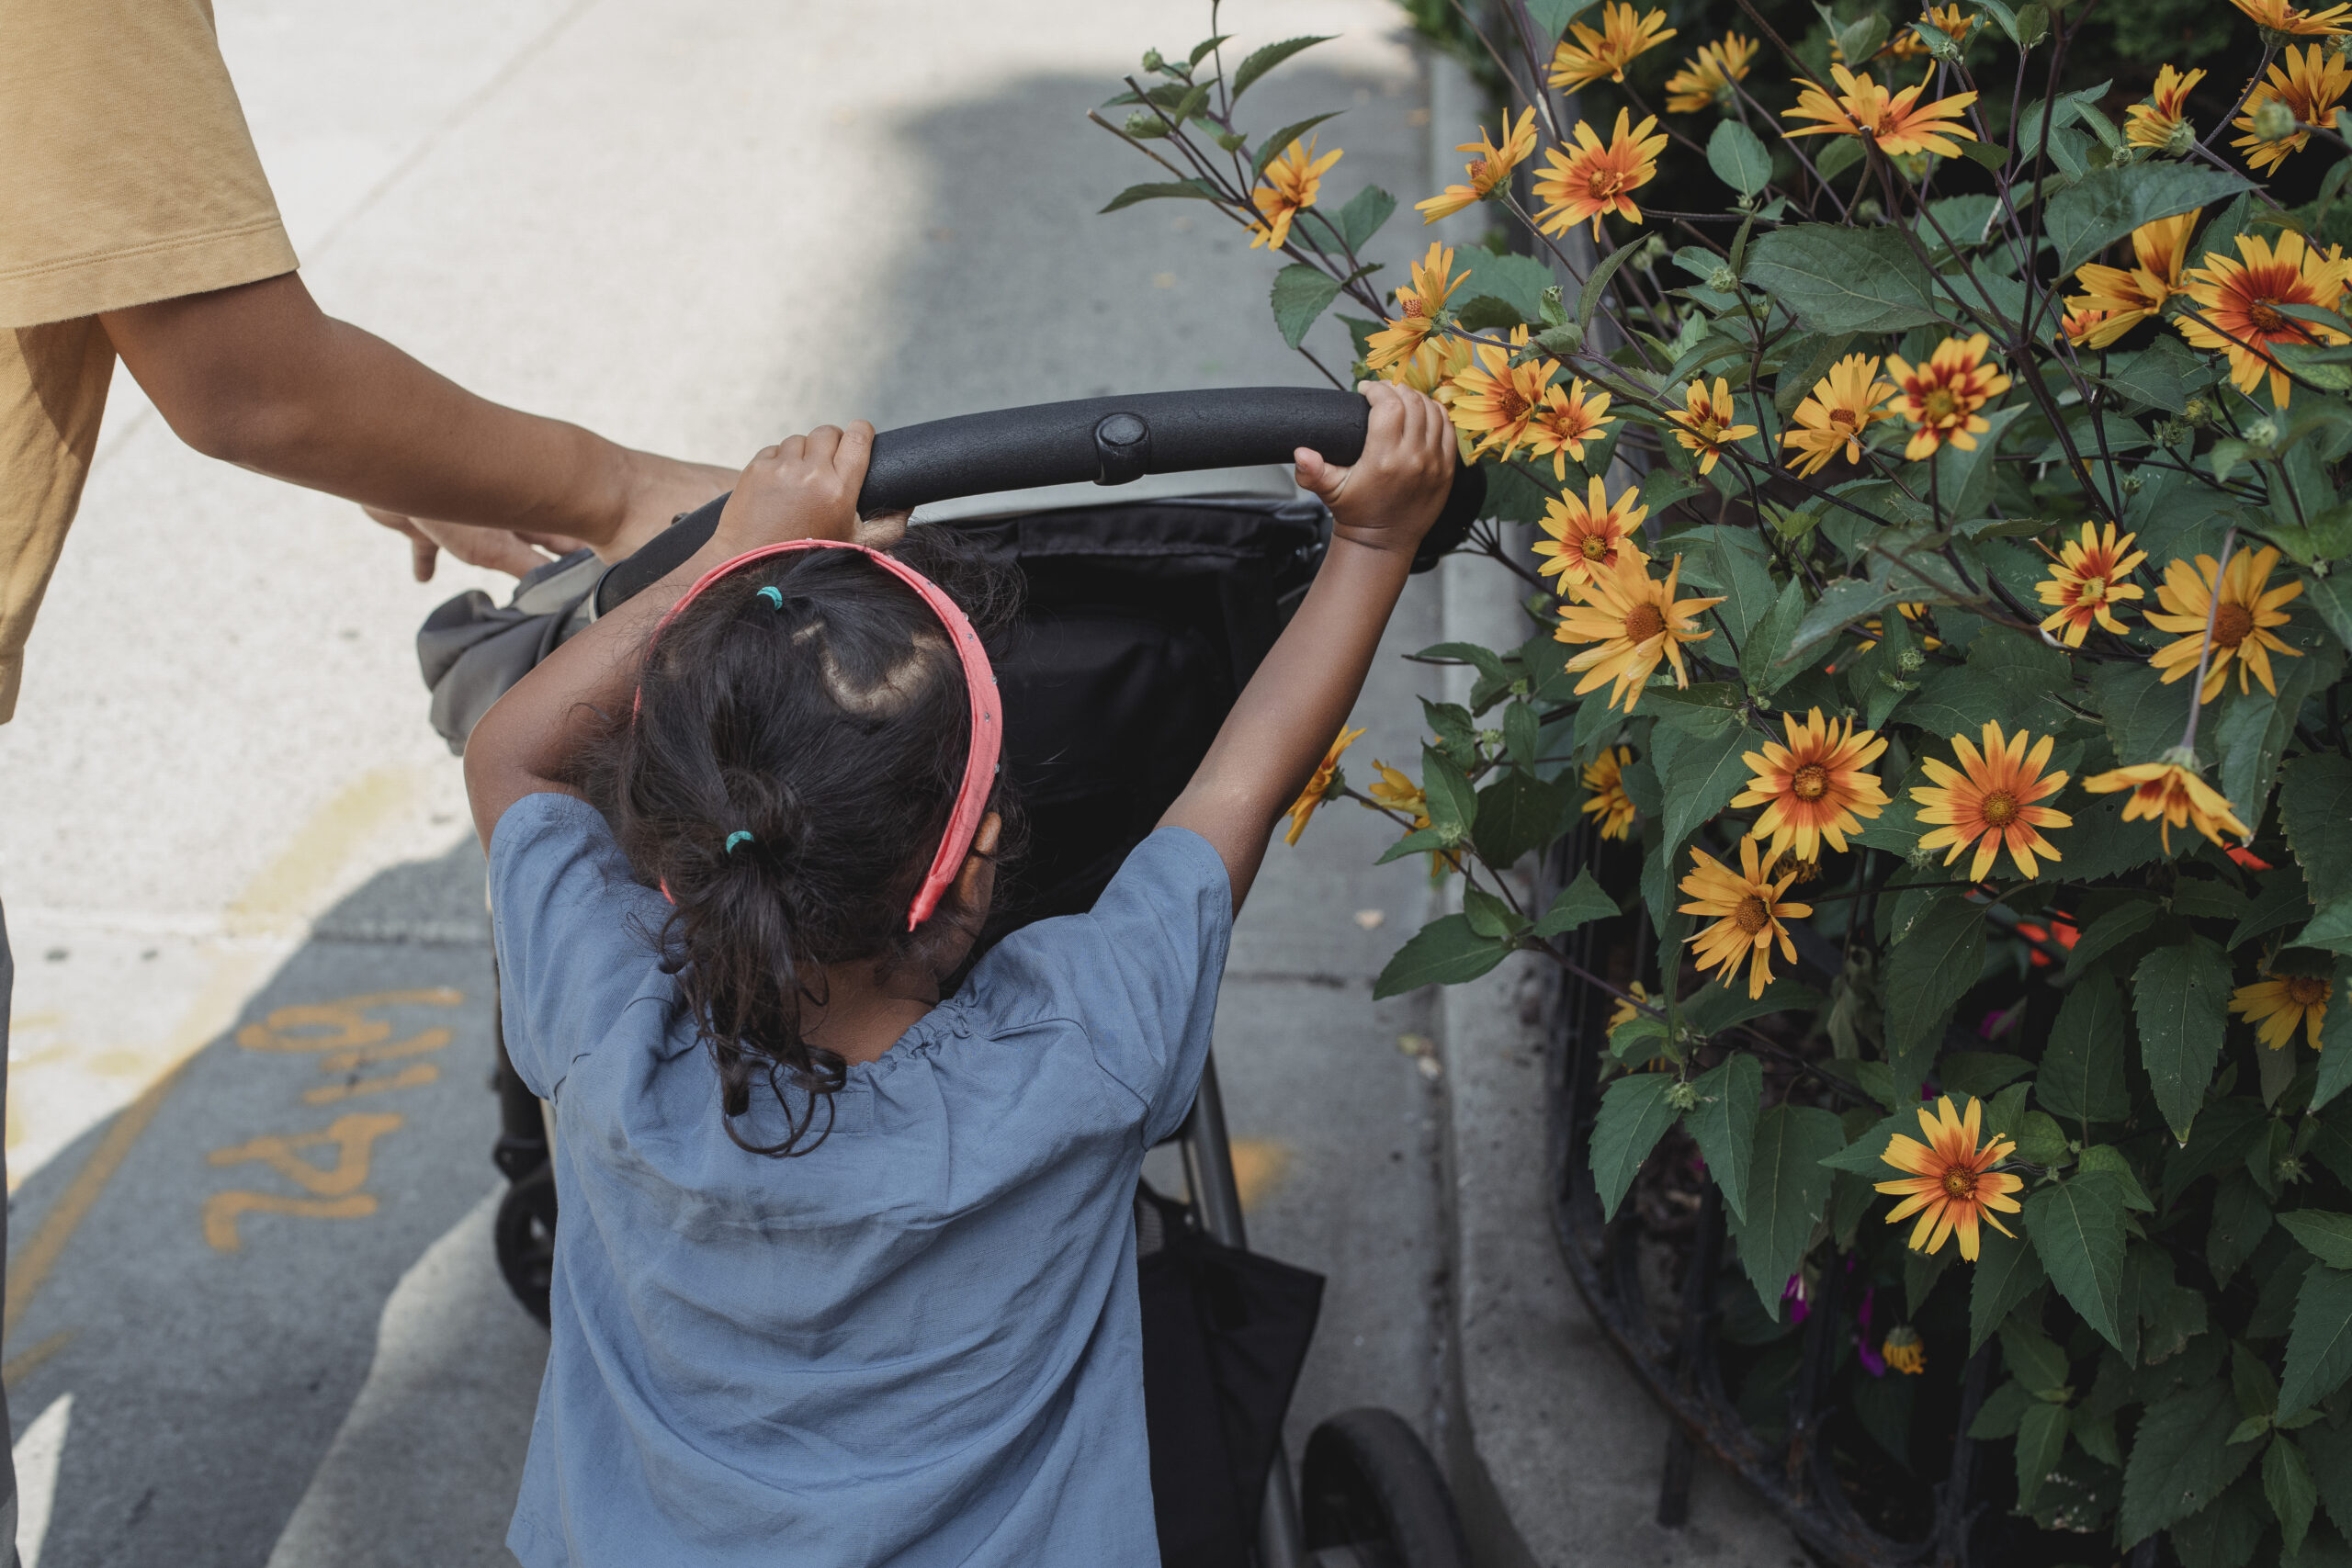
(1141, 625)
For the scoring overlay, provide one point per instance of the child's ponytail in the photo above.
(797, 746)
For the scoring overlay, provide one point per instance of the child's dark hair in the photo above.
(829, 720)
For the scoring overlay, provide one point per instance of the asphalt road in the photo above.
(251, 1314)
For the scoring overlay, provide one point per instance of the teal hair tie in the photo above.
(776, 597)
(743, 835)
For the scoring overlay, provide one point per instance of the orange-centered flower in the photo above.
(1896, 123)
(2249, 608)
(1593, 55)
(1943, 396)
(2131, 295)
(2168, 794)
(2281, 17)
(1326, 782)
(2276, 1004)
(1844, 403)
(1951, 1184)
(1593, 180)
(2078, 323)
(1706, 425)
(1706, 77)
(1487, 172)
(1293, 181)
(2237, 302)
(1604, 779)
(1989, 799)
(1495, 400)
(2087, 579)
(1815, 787)
(2311, 83)
(2153, 124)
(1562, 422)
(1635, 621)
(1417, 304)
(1747, 911)
(1589, 533)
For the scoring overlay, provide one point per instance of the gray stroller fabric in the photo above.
(471, 648)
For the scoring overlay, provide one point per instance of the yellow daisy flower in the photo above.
(1589, 533)
(2128, 295)
(1747, 911)
(2238, 301)
(2152, 124)
(1593, 181)
(1593, 55)
(1894, 122)
(1605, 779)
(1495, 400)
(1943, 396)
(1706, 77)
(2241, 625)
(2170, 794)
(2087, 581)
(1293, 181)
(1989, 801)
(1487, 172)
(1815, 787)
(1637, 621)
(1399, 793)
(1417, 304)
(1951, 1184)
(1562, 422)
(1905, 1351)
(2311, 83)
(1319, 787)
(2278, 1004)
(1706, 424)
(1842, 405)
(2280, 17)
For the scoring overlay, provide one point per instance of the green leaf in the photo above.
(2240, 1218)
(1421, 840)
(1579, 901)
(2319, 1347)
(2180, 997)
(1866, 1156)
(2315, 804)
(1738, 159)
(2335, 1030)
(1596, 285)
(1717, 1008)
(2278, 900)
(1700, 776)
(1552, 17)
(1981, 1074)
(2033, 1359)
(1518, 281)
(2143, 716)
(2330, 598)
(1301, 294)
(1262, 60)
(2181, 1460)
(2081, 1078)
(2042, 1439)
(1634, 1114)
(1843, 280)
(1723, 1121)
(2329, 1453)
(2330, 928)
(1786, 1189)
(1447, 951)
(1275, 146)
(2287, 1484)
(1518, 813)
(1843, 602)
(2077, 1229)
(2105, 204)
(2006, 1273)
(1702, 710)
(2325, 1236)
(1932, 967)
(1183, 190)
(1365, 211)
(1453, 805)
(2107, 1157)
(1763, 663)
(2109, 932)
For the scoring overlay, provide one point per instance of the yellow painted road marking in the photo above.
(415, 1075)
(335, 1190)
(15, 1367)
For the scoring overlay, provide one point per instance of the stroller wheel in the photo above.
(1372, 1497)
(525, 1239)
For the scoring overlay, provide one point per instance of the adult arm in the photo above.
(260, 376)
(1300, 698)
(805, 488)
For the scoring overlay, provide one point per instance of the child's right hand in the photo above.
(804, 488)
(1388, 497)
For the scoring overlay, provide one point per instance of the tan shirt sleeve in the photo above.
(127, 173)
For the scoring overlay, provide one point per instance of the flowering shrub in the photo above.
(1936, 631)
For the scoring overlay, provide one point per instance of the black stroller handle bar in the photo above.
(1110, 441)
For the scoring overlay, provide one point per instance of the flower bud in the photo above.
(2132, 483)
(2272, 120)
(2182, 137)
(1142, 124)
(1681, 1096)
(2261, 433)
(1723, 280)
(2197, 411)
(1152, 60)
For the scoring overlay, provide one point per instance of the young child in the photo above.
(916, 1340)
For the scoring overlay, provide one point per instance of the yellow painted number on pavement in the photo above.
(344, 1040)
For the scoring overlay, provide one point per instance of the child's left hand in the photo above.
(804, 488)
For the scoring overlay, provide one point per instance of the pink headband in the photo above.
(979, 682)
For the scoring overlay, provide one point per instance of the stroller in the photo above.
(1144, 618)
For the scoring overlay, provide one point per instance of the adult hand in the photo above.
(499, 549)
